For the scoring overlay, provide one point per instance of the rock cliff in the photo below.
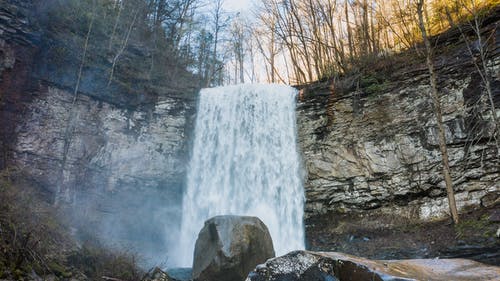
(374, 147)
(120, 149)
(115, 152)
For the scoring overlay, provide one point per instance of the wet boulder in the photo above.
(229, 247)
(316, 266)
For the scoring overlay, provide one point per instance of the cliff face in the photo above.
(121, 150)
(375, 148)
(111, 148)
(113, 152)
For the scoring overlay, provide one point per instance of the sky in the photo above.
(238, 5)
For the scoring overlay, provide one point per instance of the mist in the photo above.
(144, 223)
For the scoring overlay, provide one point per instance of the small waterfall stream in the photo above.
(245, 162)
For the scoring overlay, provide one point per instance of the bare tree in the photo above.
(122, 48)
(71, 122)
(238, 42)
(480, 48)
(438, 112)
(220, 21)
(119, 7)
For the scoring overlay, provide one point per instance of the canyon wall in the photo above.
(374, 148)
(117, 153)
(122, 148)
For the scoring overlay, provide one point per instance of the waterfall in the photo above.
(245, 162)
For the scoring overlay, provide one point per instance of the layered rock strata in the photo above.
(375, 145)
(114, 152)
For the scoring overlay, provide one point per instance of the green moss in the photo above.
(376, 88)
(38, 269)
(60, 54)
(475, 227)
(59, 270)
(368, 80)
(18, 274)
(409, 226)
(372, 84)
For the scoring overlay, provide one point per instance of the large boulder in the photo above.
(229, 247)
(316, 266)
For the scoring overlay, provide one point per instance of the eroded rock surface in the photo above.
(229, 247)
(331, 266)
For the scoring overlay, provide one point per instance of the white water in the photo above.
(245, 162)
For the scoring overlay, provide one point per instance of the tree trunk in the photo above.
(349, 34)
(439, 117)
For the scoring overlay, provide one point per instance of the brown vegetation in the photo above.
(34, 242)
(324, 38)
